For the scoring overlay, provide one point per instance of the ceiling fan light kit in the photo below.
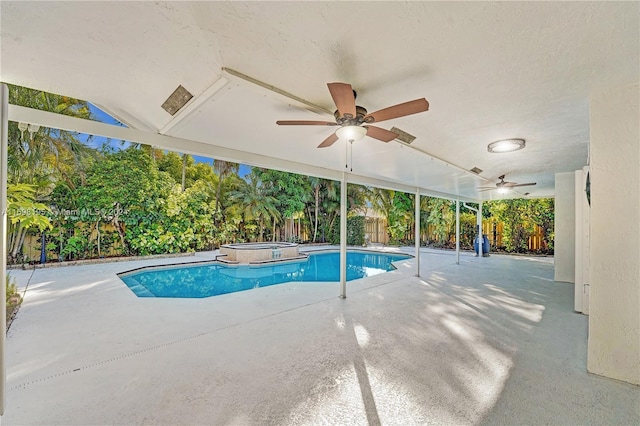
(506, 145)
(351, 133)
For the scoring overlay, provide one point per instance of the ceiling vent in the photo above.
(476, 170)
(177, 100)
(403, 136)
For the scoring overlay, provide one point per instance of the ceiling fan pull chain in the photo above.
(346, 156)
(351, 143)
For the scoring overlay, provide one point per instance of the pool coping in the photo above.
(217, 259)
(231, 264)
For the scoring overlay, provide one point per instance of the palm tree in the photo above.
(47, 154)
(255, 203)
(396, 209)
(21, 198)
(223, 169)
(316, 185)
(382, 200)
(357, 198)
(40, 158)
(330, 203)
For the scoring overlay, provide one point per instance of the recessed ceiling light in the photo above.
(506, 145)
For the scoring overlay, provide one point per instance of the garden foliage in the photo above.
(81, 202)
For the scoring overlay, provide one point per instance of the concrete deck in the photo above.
(490, 341)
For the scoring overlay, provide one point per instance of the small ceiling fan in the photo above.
(355, 121)
(503, 186)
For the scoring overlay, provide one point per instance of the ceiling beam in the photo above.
(171, 143)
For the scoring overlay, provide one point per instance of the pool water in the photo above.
(213, 278)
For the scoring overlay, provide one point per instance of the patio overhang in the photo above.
(177, 144)
(490, 71)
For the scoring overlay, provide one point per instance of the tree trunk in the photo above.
(261, 223)
(117, 225)
(98, 234)
(21, 240)
(315, 227)
(273, 236)
(184, 171)
(287, 224)
(218, 191)
(309, 215)
(11, 239)
(19, 237)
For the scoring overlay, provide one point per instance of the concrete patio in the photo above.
(490, 341)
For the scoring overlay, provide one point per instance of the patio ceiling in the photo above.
(489, 70)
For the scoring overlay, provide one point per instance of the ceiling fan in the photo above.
(503, 186)
(355, 121)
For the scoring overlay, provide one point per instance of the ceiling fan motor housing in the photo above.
(348, 120)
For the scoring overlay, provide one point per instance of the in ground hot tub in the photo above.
(258, 252)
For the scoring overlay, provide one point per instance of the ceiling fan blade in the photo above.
(305, 123)
(523, 184)
(400, 110)
(329, 141)
(380, 134)
(486, 189)
(342, 94)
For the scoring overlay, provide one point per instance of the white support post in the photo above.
(457, 232)
(4, 133)
(417, 228)
(480, 229)
(343, 236)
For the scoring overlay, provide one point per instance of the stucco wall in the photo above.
(583, 227)
(260, 252)
(565, 224)
(614, 321)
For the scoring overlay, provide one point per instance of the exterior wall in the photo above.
(614, 299)
(565, 223)
(581, 291)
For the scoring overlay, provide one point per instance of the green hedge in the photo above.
(355, 231)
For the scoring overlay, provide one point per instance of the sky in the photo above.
(99, 141)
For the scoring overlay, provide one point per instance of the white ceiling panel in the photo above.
(490, 70)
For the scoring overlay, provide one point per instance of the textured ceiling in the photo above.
(489, 70)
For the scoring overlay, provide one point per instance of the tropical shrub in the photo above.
(355, 231)
(440, 218)
(13, 299)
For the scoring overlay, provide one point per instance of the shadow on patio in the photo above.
(463, 344)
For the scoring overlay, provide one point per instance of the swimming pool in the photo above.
(213, 278)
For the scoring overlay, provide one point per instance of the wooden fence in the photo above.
(294, 230)
(376, 232)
